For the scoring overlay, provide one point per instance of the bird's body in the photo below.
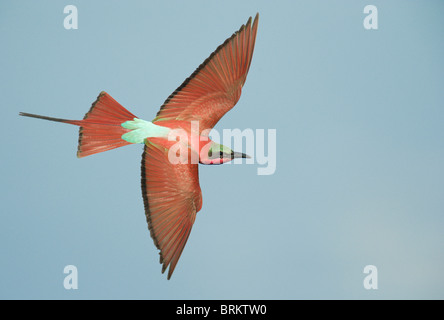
(170, 188)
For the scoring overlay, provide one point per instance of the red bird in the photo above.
(170, 189)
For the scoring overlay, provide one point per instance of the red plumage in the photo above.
(100, 129)
(171, 192)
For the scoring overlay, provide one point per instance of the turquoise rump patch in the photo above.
(141, 129)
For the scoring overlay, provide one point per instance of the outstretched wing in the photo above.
(172, 197)
(216, 85)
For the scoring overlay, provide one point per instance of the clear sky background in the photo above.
(360, 151)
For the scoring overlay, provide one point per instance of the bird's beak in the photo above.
(235, 155)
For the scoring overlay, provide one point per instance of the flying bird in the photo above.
(171, 191)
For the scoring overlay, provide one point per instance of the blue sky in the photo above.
(360, 150)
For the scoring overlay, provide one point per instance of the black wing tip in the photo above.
(255, 21)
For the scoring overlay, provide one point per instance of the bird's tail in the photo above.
(100, 129)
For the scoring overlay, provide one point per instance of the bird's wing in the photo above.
(215, 86)
(172, 197)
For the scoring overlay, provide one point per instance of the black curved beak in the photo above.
(235, 155)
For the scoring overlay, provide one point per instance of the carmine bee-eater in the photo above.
(171, 191)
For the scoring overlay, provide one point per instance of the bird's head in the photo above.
(215, 153)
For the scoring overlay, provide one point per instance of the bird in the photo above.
(170, 189)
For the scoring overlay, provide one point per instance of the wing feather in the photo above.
(172, 197)
(215, 86)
